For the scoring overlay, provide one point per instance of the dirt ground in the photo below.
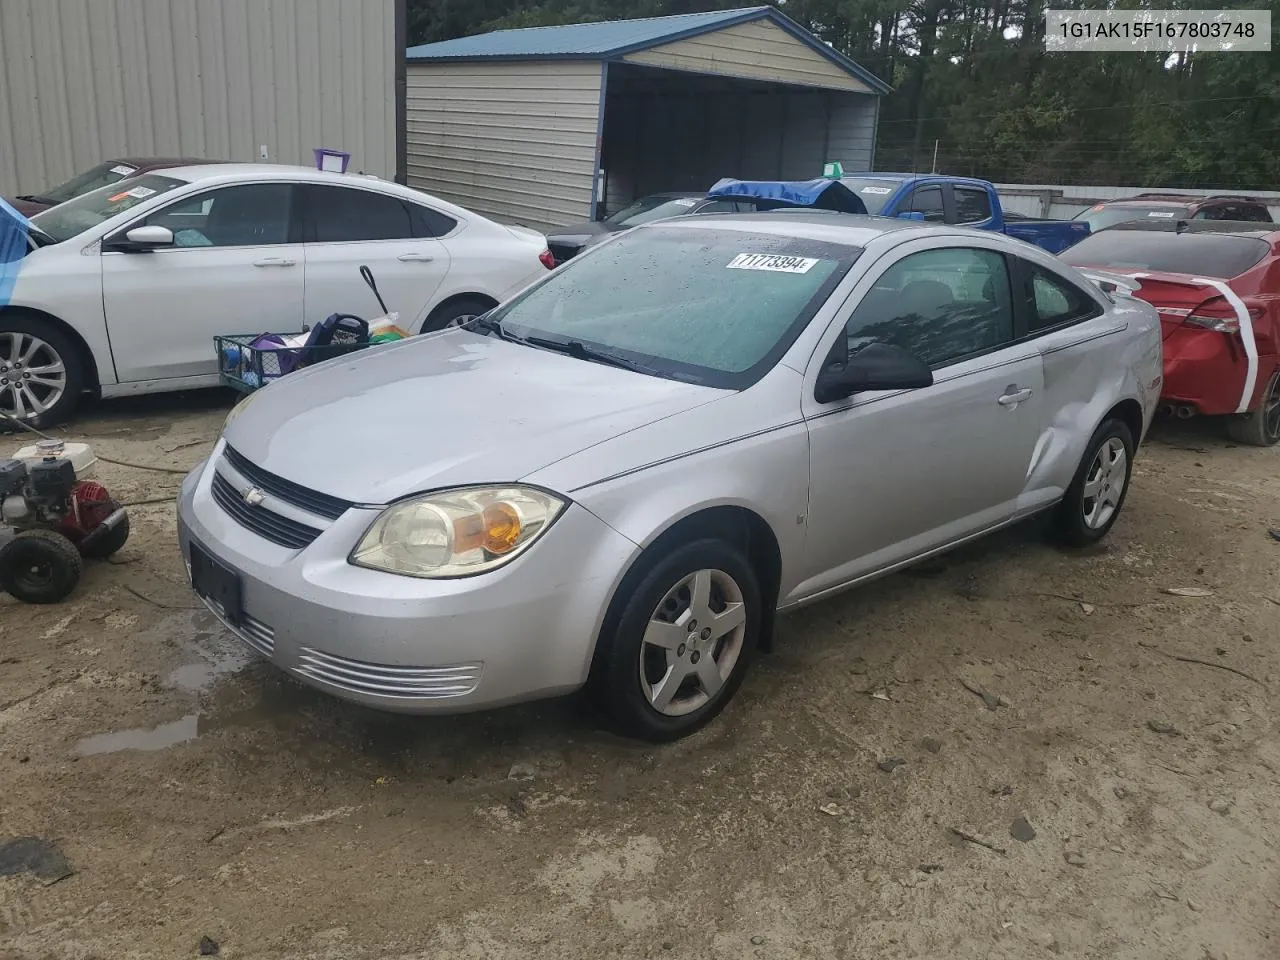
(198, 794)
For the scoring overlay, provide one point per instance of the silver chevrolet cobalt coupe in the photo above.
(615, 479)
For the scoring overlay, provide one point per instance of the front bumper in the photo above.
(522, 632)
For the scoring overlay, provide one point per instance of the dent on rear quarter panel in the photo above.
(1103, 373)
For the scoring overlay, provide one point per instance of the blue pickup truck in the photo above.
(959, 201)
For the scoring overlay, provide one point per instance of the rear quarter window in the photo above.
(1208, 255)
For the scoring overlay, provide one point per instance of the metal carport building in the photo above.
(548, 125)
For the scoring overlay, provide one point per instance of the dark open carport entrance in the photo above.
(675, 130)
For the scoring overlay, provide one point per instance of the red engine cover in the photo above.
(89, 505)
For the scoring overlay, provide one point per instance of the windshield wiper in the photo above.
(580, 351)
(487, 324)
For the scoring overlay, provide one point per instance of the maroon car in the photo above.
(109, 171)
(1154, 207)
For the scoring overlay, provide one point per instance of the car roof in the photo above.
(849, 229)
(152, 162)
(1177, 200)
(215, 174)
(1269, 232)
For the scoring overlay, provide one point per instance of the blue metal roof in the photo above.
(616, 38)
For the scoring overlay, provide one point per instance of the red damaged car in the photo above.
(1216, 286)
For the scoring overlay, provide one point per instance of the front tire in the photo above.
(41, 373)
(1260, 427)
(39, 566)
(455, 313)
(1097, 494)
(681, 645)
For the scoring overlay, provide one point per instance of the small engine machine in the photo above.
(50, 520)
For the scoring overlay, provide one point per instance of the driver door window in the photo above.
(941, 305)
(251, 215)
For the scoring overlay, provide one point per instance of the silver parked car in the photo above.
(614, 479)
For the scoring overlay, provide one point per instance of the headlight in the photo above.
(454, 533)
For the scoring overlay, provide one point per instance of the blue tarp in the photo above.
(13, 247)
(820, 193)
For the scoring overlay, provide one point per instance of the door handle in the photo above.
(274, 262)
(1014, 396)
(415, 258)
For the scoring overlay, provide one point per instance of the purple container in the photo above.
(335, 161)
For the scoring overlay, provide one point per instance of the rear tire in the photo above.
(454, 313)
(679, 648)
(1260, 427)
(41, 372)
(39, 566)
(1096, 496)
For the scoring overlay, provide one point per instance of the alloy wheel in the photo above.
(692, 642)
(33, 376)
(1271, 410)
(1104, 484)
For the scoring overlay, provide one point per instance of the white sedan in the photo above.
(123, 289)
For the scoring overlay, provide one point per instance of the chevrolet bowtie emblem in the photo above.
(253, 496)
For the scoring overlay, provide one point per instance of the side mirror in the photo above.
(142, 239)
(911, 215)
(877, 366)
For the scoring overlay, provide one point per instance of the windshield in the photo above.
(1202, 254)
(85, 212)
(100, 176)
(873, 193)
(652, 208)
(703, 306)
(1101, 217)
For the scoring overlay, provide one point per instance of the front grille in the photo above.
(265, 523)
(424, 683)
(257, 635)
(321, 504)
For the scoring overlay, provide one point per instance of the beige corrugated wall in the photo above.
(512, 140)
(760, 50)
(85, 80)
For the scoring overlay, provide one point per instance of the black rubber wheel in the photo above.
(454, 313)
(39, 566)
(656, 655)
(111, 542)
(45, 355)
(1096, 496)
(1260, 427)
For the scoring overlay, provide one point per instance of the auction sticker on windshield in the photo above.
(773, 262)
(877, 191)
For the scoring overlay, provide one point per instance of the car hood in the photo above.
(443, 410)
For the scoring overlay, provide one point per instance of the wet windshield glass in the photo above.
(1214, 255)
(85, 212)
(1110, 216)
(100, 176)
(873, 193)
(652, 208)
(704, 306)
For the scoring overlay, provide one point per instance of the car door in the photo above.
(928, 201)
(235, 267)
(896, 474)
(346, 228)
(1073, 335)
(971, 206)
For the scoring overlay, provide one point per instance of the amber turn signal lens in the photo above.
(496, 529)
